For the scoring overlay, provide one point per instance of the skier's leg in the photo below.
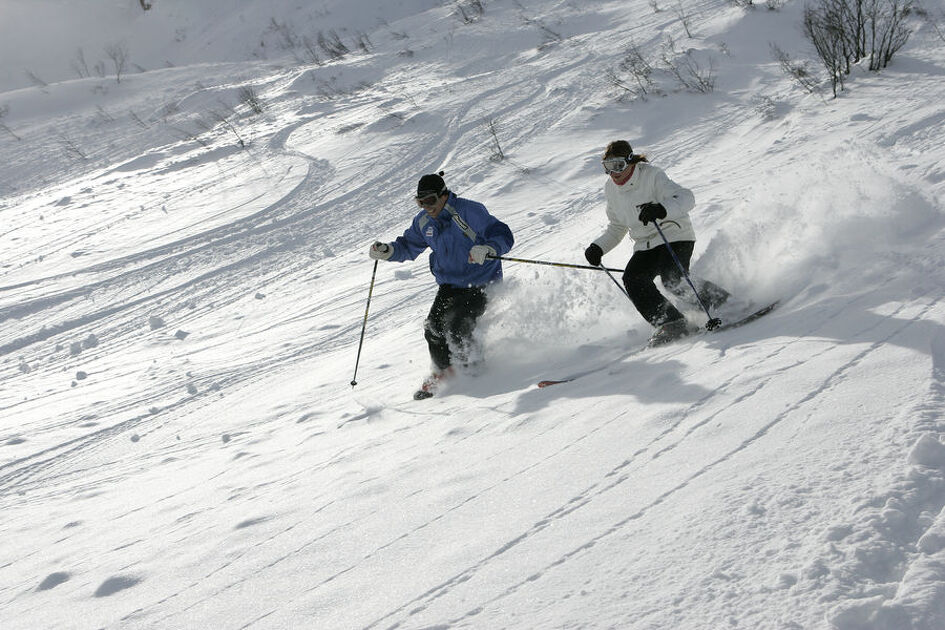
(468, 307)
(434, 328)
(638, 277)
(711, 294)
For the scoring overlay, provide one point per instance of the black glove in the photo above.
(650, 211)
(593, 254)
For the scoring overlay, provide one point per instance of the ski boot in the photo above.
(432, 384)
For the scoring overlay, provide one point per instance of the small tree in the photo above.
(685, 17)
(689, 73)
(4, 110)
(79, 65)
(469, 11)
(118, 54)
(823, 33)
(845, 32)
(249, 97)
(497, 153)
(797, 70)
(637, 66)
(888, 31)
(332, 45)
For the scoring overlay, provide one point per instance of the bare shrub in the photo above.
(688, 71)
(685, 18)
(933, 20)
(640, 71)
(35, 80)
(822, 33)
(118, 54)
(223, 120)
(887, 30)
(549, 36)
(845, 32)
(363, 42)
(497, 153)
(332, 45)
(469, 11)
(135, 117)
(767, 107)
(71, 148)
(310, 50)
(79, 66)
(249, 97)
(4, 110)
(799, 71)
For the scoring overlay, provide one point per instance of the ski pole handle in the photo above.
(552, 264)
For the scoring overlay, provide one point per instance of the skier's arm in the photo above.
(489, 230)
(410, 245)
(616, 230)
(677, 200)
(498, 236)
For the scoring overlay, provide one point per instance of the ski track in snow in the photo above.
(598, 490)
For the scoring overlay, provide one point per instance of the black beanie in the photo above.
(431, 184)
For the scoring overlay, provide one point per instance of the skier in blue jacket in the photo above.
(465, 241)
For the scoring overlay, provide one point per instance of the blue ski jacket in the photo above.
(461, 224)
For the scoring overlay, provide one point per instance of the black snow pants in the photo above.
(449, 326)
(643, 268)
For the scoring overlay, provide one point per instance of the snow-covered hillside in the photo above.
(183, 283)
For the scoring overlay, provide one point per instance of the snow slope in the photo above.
(183, 284)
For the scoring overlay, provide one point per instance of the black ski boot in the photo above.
(671, 331)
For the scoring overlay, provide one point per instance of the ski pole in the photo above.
(714, 322)
(354, 379)
(553, 264)
(619, 286)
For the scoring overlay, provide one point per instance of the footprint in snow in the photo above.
(53, 580)
(115, 584)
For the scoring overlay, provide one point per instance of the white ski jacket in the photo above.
(648, 183)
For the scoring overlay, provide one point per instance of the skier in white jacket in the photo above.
(638, 195)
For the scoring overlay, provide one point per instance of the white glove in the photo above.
(380, 251)
(479, 253)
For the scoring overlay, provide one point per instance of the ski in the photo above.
(761, 312)
(747, 319)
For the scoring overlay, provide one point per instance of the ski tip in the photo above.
(543, 384)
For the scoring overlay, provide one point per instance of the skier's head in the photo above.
(432, 193)
(618, 158)
(618, 148)
(431, 184)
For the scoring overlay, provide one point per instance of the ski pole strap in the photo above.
(553, 264)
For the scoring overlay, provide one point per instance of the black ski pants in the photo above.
(449, 326)
(643, 268)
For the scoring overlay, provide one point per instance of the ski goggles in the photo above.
(615, 164)
(427, 200)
